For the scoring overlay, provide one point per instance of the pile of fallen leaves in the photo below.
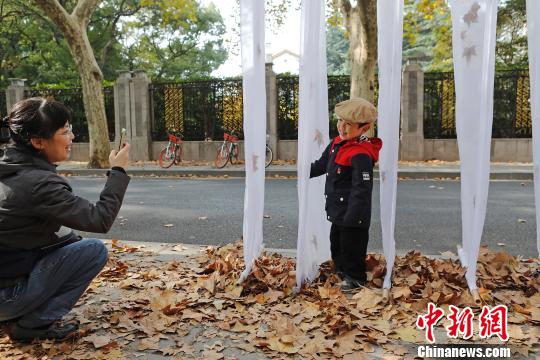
(196, 308)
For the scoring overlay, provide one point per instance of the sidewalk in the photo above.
(418, 170)
(174, 301)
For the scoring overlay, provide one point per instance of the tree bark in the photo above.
(73, 27)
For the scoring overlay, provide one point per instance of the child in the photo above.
(348, 164)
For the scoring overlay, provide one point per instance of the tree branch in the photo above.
(55, 12)
(83, 11)
(346, 8)
(112, 25)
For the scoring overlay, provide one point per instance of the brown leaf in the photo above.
(98, 341)
(319, 344)
(149, 344)
(211, 355)
(367, 299)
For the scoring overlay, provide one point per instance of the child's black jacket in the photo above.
(348, 166)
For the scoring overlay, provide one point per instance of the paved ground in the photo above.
(411, 170)
(209, 211)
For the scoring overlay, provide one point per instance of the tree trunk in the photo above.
(94, 105)
(361, 24)
(73, 27)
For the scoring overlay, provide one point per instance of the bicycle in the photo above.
(172, 154)
(228, 151)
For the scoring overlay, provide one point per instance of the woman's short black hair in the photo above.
(36, 118)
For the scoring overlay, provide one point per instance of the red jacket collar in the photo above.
(350, 148)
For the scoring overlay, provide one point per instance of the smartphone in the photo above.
(123, 134)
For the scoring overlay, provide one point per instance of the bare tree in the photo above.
(73, 26)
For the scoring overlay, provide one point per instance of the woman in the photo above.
(44, 266)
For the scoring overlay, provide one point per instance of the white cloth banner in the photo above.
(254, 96)
(390, 40)
(473, 37)
(533, 33)
(313, 228)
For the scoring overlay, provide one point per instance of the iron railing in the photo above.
(204, 109)
(511, 106)
(201, 110)
(288, 90)
(3, 104)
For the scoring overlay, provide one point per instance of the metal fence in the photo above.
(200, 109)
(3, 104)
(511, 107)
(288, 90)
(73, 99)
(204, 109)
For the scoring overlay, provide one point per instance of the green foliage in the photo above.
(180, 47)
(171, 39)
(427, 34)
(511, 51)
(30, 46)
(337, 49)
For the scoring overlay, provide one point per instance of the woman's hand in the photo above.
(120, 158)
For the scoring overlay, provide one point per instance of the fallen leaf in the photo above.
(98, 341)
(179, 248)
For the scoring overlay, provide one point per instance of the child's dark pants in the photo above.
(348, 246)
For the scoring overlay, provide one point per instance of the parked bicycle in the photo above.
(172, 154)
(228, 151)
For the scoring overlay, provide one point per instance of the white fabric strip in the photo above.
(313, 228)
(473, 37)
(390, 35)
(254, 95)
(533, 33)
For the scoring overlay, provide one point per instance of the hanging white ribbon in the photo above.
(313, 228)
(473, 37)
(533, 34)
(390, 35)
(254, 96)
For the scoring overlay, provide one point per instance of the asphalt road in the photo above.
(428, 215)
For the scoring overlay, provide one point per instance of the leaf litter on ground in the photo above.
(139, 305)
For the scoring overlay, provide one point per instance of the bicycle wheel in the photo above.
(269, 157)
(167, 156)
(179, 154)
(234, 154)
(222, 156)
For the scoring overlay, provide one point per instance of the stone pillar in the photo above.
(412, 114)
(122, 105)
(271, 108)
(139, 131)
(15, 92)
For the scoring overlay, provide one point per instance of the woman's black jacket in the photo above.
(35, 203)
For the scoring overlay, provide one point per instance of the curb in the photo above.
(438, 174)
(166, 250)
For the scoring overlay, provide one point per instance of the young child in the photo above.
(348, 164)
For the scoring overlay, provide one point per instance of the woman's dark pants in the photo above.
(55, 284)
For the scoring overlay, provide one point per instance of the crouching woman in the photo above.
(44, 266)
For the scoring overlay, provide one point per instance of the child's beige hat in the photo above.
(356, 110)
